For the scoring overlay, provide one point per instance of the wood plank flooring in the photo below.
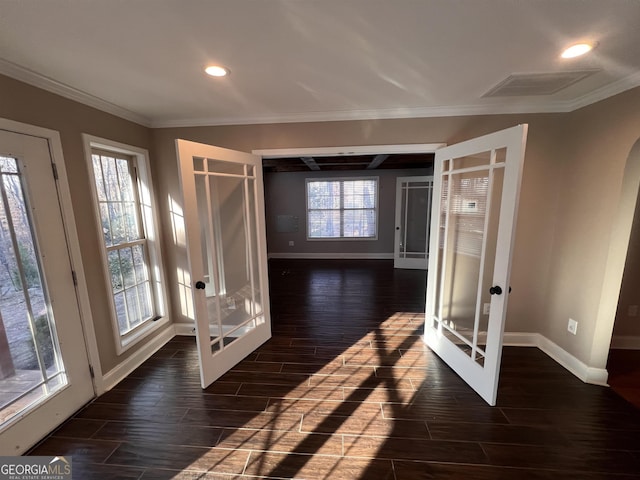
(345, 389)
(624, 374)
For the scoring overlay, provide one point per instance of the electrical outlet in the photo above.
(291, 243)
(486, 309)
(632, 311)
(572, 327)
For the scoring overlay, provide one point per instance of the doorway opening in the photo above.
(623, 364)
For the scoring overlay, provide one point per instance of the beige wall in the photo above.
(594, 148)
(285, 194)
(538, 197)
(27, 104)
(570, 196)
(570, 201)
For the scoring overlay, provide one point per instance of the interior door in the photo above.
(413, 216)
(44, 368)
(475, 203)
(226, 242)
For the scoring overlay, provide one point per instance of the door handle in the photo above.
(495, 290)
(200, 285)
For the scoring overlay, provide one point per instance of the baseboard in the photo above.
(596, 376)
(119, 373)
(520, 339)
(333, 256)
(626, 342)
(188, 329)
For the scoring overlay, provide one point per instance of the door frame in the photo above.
(348, 150)
(71, 234)
(616, 258)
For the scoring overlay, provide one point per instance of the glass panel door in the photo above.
(224, 198)
(413, 222)
(476, 187)
(44, 369)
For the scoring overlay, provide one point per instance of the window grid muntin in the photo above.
(124, 318)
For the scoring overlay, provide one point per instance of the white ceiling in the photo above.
(303, 60)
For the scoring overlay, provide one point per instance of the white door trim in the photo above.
(348, 150)
(71, 232)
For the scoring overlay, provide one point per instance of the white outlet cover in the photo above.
(486, 309)
(572, 327)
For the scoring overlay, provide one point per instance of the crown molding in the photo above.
(35, 79)
(382, 114)
(609, 90)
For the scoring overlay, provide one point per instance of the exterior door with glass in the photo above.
(226, 241)
(44, 368)
(413, 217)
(475, 203)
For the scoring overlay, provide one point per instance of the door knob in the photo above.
(397, 228)
(200, 285)
(495, 290)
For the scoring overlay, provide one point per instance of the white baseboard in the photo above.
(626, 342)
(520, 339)
(596, 376)
(334, 256)
(117, 374)
(188, 329)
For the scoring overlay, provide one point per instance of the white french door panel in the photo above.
(475, 203)
(413, 216)
(223, 196)
(45, 375)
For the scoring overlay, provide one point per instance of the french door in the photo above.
(226, 242)
(44, 368)
(475, 203)
(413, 216)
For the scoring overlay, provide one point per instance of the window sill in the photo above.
(140, 333)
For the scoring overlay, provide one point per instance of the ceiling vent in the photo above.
(526, 84)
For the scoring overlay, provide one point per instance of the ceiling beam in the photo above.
(377, 161)
(310, 162)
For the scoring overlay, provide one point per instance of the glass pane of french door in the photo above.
(413, 216)
(476, 185)
(44, 368)
(30, 361)
(224, 201)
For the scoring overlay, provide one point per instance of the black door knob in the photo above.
(200, 285)
(495, 290)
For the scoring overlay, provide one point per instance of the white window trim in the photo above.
(149, 212)
(342, 179)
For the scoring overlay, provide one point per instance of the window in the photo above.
(340, 208)
(124, 210)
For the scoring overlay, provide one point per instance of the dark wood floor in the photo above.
(346, 390)
(624, 374)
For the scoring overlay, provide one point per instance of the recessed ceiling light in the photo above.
(577, 50)
(217, 71)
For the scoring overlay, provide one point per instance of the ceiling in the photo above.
(307, 60)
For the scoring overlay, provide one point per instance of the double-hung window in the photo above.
(342, 208)
(124, 209)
